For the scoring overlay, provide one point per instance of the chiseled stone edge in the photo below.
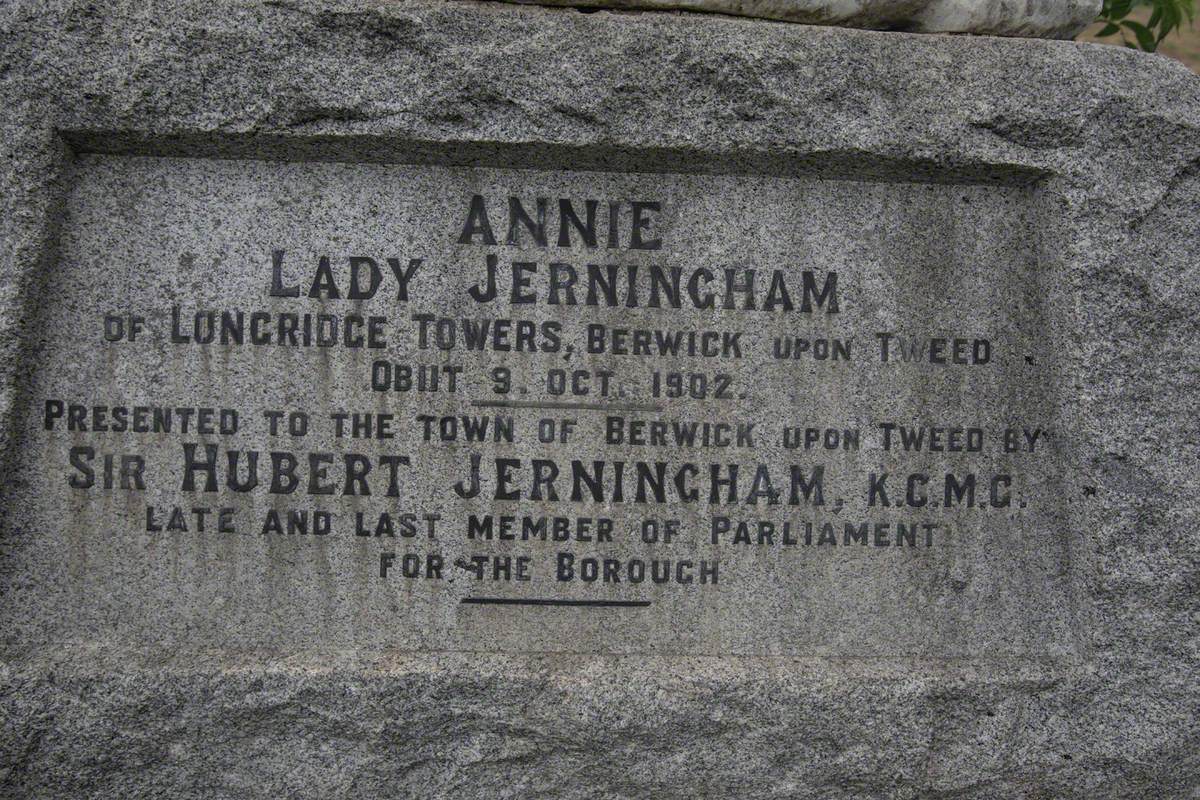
(1038, 19)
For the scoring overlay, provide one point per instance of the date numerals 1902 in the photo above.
(696, 385)
(601, 383)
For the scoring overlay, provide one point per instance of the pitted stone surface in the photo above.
(1038, 194)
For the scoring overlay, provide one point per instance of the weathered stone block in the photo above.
(454, 399)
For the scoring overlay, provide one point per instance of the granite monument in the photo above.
(451, 399)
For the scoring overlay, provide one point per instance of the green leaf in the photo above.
(1145, 37)
(1170, 19)
(1119, 9)
(1165, 18)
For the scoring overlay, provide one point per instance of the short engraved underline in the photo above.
(548, 404)
(546, 601)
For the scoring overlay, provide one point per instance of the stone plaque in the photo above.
(390, 407)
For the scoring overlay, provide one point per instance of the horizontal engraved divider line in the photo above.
(547, 601)
(549, 404)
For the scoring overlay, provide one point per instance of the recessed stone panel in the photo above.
(424, 408)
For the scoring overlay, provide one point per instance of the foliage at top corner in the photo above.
(1166, 16)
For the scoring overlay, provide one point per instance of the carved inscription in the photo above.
(433, 408)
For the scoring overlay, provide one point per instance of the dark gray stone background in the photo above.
(1103, 140)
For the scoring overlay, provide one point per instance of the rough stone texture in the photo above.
(1106, 142)
(1044, 19)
